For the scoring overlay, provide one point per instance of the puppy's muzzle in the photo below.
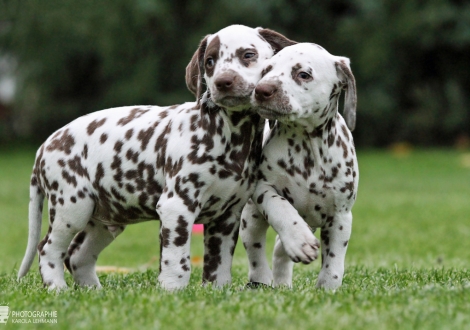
(265, 92)
(224, 83)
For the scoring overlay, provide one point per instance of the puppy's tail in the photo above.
(36, 200)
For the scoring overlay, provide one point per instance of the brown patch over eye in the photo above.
(211, 56)
(295, 68)
(299, 75)
(246, 56)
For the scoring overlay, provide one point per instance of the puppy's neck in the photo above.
(232, 118)
(206, 103)
(317, 138)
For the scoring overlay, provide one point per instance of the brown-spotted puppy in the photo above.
(308, 171)
(184, 164)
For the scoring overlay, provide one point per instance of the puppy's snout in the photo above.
(264, 92)
(224, 83)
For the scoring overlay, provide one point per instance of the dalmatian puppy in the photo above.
(308, 174)
(183, 164)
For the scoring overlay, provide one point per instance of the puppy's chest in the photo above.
(232, 168)
(229, 160)
(309, 175)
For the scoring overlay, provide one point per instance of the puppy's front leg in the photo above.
(297, 239)
(175, 238)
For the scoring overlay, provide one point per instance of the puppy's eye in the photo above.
(304, 75)
(210, 62)
(249, 55)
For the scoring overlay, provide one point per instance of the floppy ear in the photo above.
(276, 40)
(192, 74)
(195, 70)
(343, 70)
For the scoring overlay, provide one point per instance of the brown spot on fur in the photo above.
(294, 72)
(77, 167)
(260, 198)
(212, 258)
(345, 132)
(63, 143)
(165, 237)
(103, 138)
(78, 240)
(69, 178)
(94, 125)
(85, 151)
(129, 133)
(135, 113)
(266, 70)
(182, 231)
(144, 136)
(118, 146)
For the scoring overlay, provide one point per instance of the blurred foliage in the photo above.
(410, 58)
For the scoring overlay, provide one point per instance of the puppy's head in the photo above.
(230, 61)
(302, 83)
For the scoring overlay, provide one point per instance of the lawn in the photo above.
(407, 265)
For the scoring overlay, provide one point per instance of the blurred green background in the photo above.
(62, 59)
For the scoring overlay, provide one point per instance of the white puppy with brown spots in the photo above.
(308, 173)
(185, 164)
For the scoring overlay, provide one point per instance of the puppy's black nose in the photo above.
(264, 92)
(224, 83)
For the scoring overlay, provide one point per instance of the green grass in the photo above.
(406, 267)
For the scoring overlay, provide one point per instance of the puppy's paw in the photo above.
(301, 246)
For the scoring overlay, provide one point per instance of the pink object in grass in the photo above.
(198, 229)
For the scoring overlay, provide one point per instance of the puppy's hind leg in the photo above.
(85, 248)
(335, 236)
(220, 239)
(66, 220)
(283, 265)
(253, 230)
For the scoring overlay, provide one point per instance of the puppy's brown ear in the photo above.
(195, 70)
(343, 70)
(275, 39)
(192, 74)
